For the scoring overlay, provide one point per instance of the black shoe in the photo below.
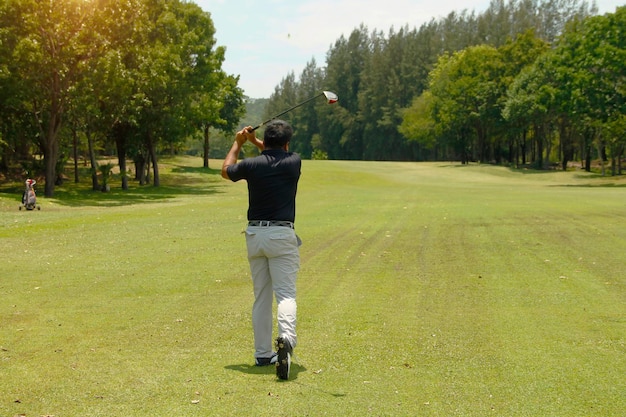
(283, 364)
(266, 361)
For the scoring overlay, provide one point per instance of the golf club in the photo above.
(330, 97)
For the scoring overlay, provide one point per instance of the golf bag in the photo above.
(29, 198)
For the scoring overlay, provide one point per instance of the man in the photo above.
(271, 240)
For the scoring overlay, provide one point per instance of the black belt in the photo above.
(265, 223)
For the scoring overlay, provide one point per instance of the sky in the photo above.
(266, 40)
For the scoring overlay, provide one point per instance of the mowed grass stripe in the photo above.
(470, 252)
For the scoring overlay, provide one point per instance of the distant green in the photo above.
(425, 289)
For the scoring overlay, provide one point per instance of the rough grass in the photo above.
(425, 289)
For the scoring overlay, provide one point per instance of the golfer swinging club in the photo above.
(271, 240)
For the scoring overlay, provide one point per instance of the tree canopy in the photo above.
(138, 76)
(524, 82)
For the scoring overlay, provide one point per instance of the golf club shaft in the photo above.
(288, 110)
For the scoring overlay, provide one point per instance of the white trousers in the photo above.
(274, 260)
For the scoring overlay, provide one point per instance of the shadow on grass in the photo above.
(135, 195)
(532, 171)
(182, 169)
(600, 181)
(266, 370)
(526, 170)
(178, 181)
(600, 185)
(270, 370)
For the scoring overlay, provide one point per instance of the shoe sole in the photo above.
(283, 365)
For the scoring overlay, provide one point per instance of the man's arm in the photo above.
(245, 134)
(231, 157)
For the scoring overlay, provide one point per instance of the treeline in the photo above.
(130, 78)
(525, 82)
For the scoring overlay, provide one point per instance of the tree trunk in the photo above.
(120, 142)
(50, 137)
(75, 137)
(50, 156)
(601, 153)
(206, 146)
(94, 163)
(124, 174)
(613, 166)
(523, 146)
(588, 159)
(147, 173)
(567, 144)
(50, 150)
(533, 145)
(155, 166)
(539, 154)
(140, 168)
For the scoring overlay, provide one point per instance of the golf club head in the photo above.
(331, 97)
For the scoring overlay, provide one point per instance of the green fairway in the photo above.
(425, 290)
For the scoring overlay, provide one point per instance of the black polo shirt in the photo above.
(272, 184)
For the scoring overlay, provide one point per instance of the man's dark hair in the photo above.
(277, 134)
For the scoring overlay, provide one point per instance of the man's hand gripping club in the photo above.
(247, 134)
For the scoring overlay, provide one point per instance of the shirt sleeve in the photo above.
(237, 172)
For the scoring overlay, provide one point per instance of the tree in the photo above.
(16, 129)
(517, 55)
(341, 130)
(389, 72)
(160, 80)
(56, 40)
(109, 89)
(305, 118)
(232, 108)
(417, 123)
(590, 58)
(466, 88)
(531, 103)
